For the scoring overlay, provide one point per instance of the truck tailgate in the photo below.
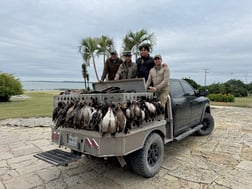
(93, 143)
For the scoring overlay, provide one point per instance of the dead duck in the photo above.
(86, 112)
(61, 119)
(70, 115)
(129, 118)
(95, 119)
(121, 118)
(151, 109)
(108, 124)
(78, 115)
(56, 110)
(136, 113)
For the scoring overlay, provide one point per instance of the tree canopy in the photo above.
(93, 46)
(9, 86)
(132, 41)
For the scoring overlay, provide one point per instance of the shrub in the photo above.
(221, 97)
(9, 86)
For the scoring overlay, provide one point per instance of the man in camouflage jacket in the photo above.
(127, 69)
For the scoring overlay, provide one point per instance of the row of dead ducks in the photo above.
(106, 117)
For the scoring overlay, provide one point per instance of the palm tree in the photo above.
(88, 49)
(84, 74)
(88, 82)
(132, 41)
(105, 45)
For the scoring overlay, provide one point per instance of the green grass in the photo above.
(239, 102)
(39, 104)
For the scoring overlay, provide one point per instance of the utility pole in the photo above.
(231, 75)
(205, 70)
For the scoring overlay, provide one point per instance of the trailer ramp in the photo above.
(57, 157)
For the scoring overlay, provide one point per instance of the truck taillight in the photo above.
(94, 143)
(91, 143)
(55, 136)
(88, 142)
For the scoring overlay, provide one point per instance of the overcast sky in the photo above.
(39, 39)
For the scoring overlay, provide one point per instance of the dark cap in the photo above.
(113, 52)
(127, 53)
(157, 57)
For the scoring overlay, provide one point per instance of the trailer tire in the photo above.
(208, 125)
(147, 161)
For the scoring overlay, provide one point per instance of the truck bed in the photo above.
(93, 143)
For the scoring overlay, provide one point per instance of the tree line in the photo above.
(231, 87)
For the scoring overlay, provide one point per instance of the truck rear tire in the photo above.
(147, 161)
(208, 125)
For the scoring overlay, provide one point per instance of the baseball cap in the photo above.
(113, 52)
(126, 53)
(157, 57)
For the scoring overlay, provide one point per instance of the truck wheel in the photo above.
(147, 161)
(208, 125)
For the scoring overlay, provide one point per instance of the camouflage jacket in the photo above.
(126, 71)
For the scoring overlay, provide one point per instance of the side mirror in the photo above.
(203, 92)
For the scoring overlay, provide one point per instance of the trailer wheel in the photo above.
(208, 125)
(147, 161)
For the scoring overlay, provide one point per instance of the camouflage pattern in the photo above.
(126, 71)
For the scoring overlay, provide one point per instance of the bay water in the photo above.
(52, 85)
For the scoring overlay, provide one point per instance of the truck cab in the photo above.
(188, 105)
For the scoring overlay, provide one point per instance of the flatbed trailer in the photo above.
(142, 147)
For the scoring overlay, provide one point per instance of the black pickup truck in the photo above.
(187, 112)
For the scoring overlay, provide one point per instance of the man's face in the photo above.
(144, 52)
(127, 58)
(157, 61)
(113, 56)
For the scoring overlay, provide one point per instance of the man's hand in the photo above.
(153, 89)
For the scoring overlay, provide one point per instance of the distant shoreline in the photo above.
(52, 85)
(54, 81)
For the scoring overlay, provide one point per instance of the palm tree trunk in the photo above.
(85, 83)
(97, 77)
(104, 59)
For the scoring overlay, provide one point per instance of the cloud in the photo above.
(39, 39)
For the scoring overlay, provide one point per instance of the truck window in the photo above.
(188, 90)
(176, 89)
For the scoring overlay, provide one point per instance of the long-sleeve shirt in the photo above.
(126, 71)
(144, 64)
(111, 66)
(159, 76)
